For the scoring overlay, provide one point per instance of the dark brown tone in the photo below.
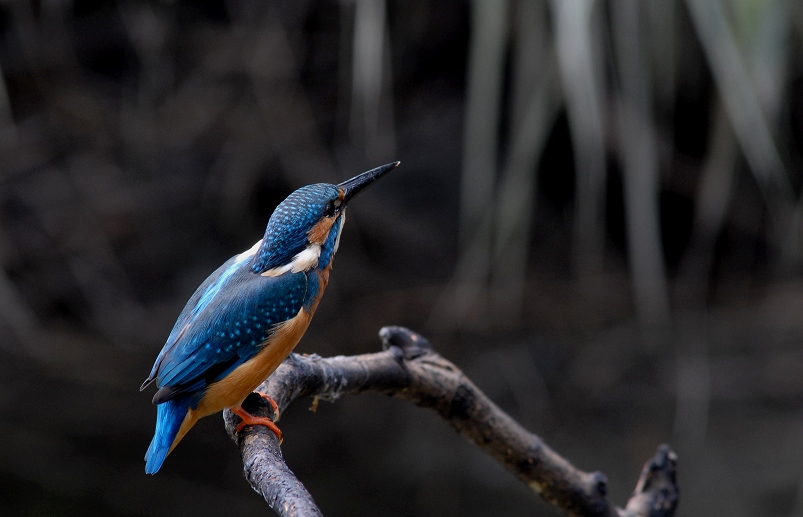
(143, 143)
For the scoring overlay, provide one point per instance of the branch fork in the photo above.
(409, 368)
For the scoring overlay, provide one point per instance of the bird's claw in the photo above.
(249, 419)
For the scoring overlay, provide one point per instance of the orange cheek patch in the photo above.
(320, 231)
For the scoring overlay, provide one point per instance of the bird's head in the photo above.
(304, 230)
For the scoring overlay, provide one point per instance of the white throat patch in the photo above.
(303, 261)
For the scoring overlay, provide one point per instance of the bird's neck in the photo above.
(329, 246)
(276, 258)
(278, 248)
(304, 260)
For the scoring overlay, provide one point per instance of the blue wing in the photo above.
(224, 324)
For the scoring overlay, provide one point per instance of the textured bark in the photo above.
(408, 368)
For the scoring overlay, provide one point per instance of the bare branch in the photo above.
(269, 475)
(410, 369)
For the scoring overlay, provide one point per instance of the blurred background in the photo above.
(598, 217)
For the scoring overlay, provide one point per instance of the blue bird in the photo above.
(247, 317)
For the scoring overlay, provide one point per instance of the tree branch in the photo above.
(408, 368)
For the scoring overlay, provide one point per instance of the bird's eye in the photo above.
(329, 211)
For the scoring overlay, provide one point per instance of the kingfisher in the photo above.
(247, 317)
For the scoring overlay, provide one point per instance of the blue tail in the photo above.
(169, 416)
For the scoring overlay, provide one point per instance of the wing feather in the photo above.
(223, 325)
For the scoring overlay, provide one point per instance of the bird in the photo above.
(249, 314)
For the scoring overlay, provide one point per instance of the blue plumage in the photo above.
(237, 311)
(235, 323)
(168, 419)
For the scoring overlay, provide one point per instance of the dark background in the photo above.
(597, 217)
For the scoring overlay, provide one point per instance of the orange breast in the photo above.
(231, 390)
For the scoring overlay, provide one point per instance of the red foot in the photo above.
(249, 419)
(272, 403)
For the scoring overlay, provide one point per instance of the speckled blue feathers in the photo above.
(216, 333)
(286, 234)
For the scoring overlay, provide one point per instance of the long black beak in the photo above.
(358, 183)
